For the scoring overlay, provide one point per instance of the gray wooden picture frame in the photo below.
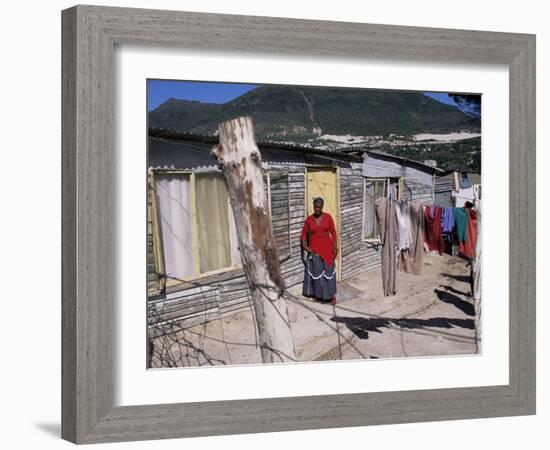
(90, 34)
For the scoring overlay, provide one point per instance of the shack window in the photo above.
(196, 228)
(373, 189)
(195, 224)
(212, 212)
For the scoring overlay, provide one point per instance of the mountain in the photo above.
(308, 114)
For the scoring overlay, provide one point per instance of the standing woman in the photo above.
(319, 241)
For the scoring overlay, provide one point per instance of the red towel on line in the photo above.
(467, 248)
(432, 228)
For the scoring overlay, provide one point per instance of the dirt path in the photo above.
(432, 314)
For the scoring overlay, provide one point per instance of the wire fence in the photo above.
(172, 343)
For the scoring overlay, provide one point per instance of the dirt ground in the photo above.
(431, 314)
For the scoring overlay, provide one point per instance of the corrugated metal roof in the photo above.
(427, 167)
(172, 134)
(401, 159)
(191, 152)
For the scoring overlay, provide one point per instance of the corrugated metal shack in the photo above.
(203, 284)
(456, 186)
(444, 186)
(408, 179)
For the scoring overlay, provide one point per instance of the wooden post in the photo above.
(476, 271)
(240, 160)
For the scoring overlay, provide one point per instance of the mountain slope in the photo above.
(301, 114)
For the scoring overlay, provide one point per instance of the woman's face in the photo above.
(317, 208)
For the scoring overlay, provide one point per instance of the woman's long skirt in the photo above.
(319, 278)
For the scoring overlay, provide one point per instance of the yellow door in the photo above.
(324, 183)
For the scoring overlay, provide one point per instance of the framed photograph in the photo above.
(331, 159)
(264, 229)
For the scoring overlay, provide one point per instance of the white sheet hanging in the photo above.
(176, 225)
(403, 215)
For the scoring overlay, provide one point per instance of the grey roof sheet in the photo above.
(184, 154)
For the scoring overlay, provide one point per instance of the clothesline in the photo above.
(451, 222)
(406, 226)
(440, 223)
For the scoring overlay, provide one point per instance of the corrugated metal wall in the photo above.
(417, 180)
(443, 188)
(414, 190)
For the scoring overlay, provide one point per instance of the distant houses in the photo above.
(194, 270)
(456, 186)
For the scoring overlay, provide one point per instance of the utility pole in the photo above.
(241, 163)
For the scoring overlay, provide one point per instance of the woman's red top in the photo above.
(320, 237)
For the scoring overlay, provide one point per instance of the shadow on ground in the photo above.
(452, 299)
(462, 278)
(361, 326)
(455, 291)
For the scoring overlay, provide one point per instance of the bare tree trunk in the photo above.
(240, 159)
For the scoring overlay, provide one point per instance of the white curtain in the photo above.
(176, 224)
(213, 222)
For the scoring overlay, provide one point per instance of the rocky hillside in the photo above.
(307, 114)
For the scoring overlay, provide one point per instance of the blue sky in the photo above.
(441, 97)
(158, 91)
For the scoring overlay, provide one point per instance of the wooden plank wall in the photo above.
(201, 303)
(153, 282)
(443, 190)
(280, 214)
(205, 301)
(357, 256)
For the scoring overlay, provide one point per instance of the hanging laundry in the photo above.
(403, 216)
(432, 228)
(404, 241)
(465, 225)
(387, 228)
(461, 221)
(467, 248)
(447, 220)
(417, 234)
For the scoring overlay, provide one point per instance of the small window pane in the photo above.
(374, 189)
